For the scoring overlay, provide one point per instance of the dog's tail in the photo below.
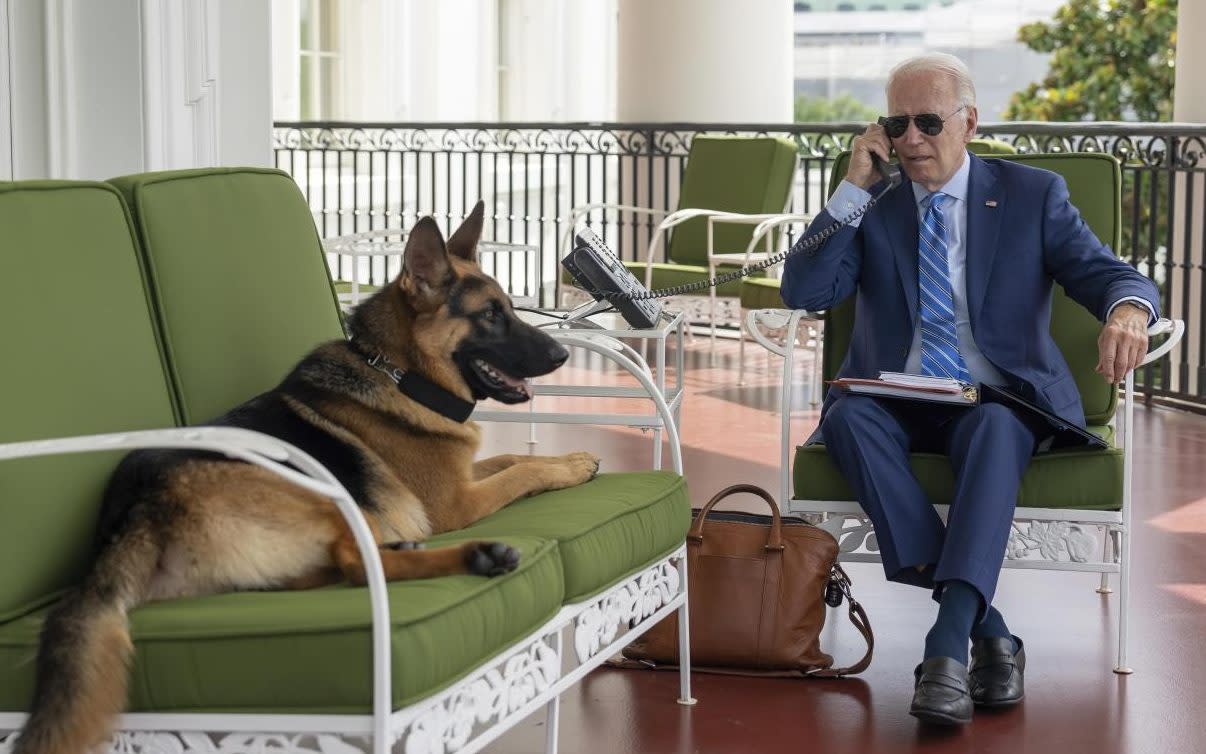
(85, 650)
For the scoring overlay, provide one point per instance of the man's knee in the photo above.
(995, 418)
(853, 415)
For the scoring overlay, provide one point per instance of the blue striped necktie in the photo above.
(939, 343)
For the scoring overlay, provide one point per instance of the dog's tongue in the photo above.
(515, 382)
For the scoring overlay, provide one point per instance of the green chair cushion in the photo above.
(1083, 480)
(239, 277)
(670, 275)
(760, 293)
(751, 175)
(80, 357)
(308, 651)
(606, 529)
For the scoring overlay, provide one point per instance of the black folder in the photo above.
(1060, 434)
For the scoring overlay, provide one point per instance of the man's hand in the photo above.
(1123, 342)
(861, 173)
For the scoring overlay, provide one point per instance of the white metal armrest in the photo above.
(1176, 330)
(775, 319)
(765, 224)
(678, 218)
(270, 453)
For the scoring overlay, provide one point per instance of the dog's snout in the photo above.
(557, 354)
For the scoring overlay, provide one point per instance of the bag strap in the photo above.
(858, 617)
(774, 541)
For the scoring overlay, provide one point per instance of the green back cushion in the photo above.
(80, 357)
(1095, 185)
(735, 174)
(239, 277)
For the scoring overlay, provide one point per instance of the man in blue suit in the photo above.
(953, 273)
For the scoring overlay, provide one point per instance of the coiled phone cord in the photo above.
(807, 243)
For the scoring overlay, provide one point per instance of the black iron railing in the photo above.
(368, 176)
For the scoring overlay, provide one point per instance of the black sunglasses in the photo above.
(929, 124)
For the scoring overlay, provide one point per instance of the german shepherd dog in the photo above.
(178, 523)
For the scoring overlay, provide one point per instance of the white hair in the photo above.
(938, 62)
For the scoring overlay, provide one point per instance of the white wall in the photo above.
(245, 89)
(457, 60)
(6, 135)
(27, 84)
(705, 61)
(100, 88)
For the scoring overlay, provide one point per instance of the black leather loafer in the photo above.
(997, 672)
(941, 694)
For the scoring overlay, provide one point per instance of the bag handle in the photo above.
(774, 542)
(858, 617)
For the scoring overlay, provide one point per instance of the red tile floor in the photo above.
(1074, 702)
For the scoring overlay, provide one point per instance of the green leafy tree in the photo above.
(1110, 60)
(843, 107)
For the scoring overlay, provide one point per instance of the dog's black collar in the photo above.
(418, 388)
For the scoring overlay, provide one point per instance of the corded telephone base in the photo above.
(601, 273)
(577, 317)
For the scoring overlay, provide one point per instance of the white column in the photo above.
(704, 61)
(1189, 106)
(6, 133)
(27, 89)
(98, 88)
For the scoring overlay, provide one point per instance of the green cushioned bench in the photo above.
(177, 296)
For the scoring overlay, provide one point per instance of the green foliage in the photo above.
(1111, 60)
(844, 107)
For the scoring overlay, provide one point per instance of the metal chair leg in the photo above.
(1106, 554)
(1124, 589)
(684, 642)
(553, 712)
(741, 353)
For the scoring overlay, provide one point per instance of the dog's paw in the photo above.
(583, 466)
(491, 558)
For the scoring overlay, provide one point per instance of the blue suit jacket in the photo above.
(1015, 251)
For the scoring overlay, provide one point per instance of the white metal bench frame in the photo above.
(464, 718)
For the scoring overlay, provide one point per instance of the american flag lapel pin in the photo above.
(990, 203)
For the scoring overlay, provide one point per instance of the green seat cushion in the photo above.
(606, 529)
(670, 275)
(760, 293)
(81, 356)
(308, 651)
(1080, 479)
(239, 277)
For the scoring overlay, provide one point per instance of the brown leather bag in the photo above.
(757, 587)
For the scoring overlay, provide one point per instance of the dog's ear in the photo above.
(463, 242)
(426, 270)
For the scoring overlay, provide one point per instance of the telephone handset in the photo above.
(599, 272)
(888, 171)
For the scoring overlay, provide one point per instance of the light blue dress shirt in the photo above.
(849, 197)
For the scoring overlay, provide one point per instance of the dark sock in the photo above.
(957, 609)
(992, 627)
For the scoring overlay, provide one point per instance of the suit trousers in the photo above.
(989, 447)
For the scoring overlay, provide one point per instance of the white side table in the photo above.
(602, 334)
